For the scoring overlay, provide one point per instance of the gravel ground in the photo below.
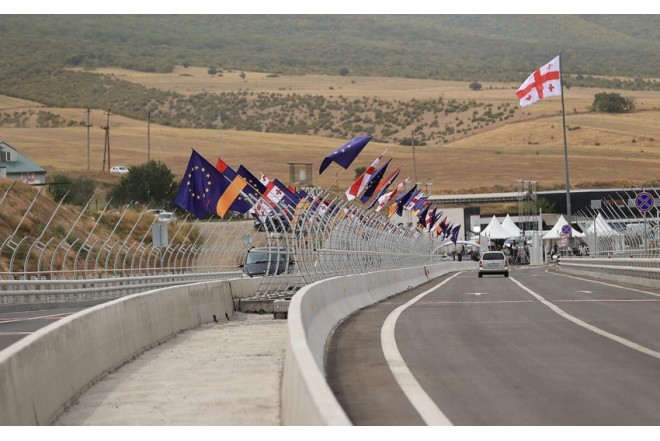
(220, 374)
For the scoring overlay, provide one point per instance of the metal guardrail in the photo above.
(27, 292)
(634, 270)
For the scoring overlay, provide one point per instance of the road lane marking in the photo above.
(491, 302)
(577, 321)
(423, 404)
(603, 283)
(41, 317)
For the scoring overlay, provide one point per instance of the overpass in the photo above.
(581, 199)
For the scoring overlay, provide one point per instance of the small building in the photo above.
(16, 167)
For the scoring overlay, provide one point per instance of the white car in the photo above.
(119, 170)
(494, 262)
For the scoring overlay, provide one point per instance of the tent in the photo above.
(495, 231)
(510, 226)
(601, 226)
(555, 232)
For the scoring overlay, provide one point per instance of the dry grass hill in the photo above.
(603, 149)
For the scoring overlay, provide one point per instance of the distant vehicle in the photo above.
(261, 261)
(278, 223)
(493, 262)
(119, 170)
(165, 217)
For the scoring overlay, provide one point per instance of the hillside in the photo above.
(41, 54)
(449, 47)
(603, 149)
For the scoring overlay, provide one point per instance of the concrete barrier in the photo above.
(46, 371)
(313, 313)
(633, 271)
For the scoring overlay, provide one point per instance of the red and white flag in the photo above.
(384, 199)
(544, 82)
(361, 182)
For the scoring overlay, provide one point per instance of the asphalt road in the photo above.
(537, 348)
(19, 324)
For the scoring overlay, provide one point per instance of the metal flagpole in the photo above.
(563, 117)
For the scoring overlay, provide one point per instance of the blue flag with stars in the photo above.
(198, 183)
(345, 154)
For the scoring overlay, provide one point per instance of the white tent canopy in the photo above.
(510, 226)
(555, 232)
(601, 226)
(495, 231)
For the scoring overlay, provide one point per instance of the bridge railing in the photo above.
(88, 257)
(615, 226)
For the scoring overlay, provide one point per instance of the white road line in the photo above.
(577, 321)
(423, 404)
(27, 319)
(603, 283)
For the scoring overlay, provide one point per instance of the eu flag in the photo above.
(198, 183)
(403, 200)
(454, 233)
(345, 154)
(256, 184)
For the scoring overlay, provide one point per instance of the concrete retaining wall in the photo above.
(313, 313)
(43, 373)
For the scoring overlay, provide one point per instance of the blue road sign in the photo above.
(644, 202)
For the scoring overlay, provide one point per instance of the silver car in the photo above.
(493, 262)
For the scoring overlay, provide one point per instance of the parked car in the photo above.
(261, 261)
(494, 262)
(278, 223)
(165, 217)
(119, 170)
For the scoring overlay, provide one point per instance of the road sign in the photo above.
(644, 202)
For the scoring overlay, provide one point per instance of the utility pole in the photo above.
(88, 126)
(412, 141)
(148, 136)
(106, 149)
(220, 130)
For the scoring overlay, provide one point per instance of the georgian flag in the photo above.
(544, 82)
(384, 199)
(361, 182)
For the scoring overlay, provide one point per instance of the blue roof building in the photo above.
(17, 167)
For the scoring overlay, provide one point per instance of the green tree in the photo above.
(77, 191)
(359, 171)
(343, 71)
(542, 204)
(151, 183)
(58, 185)
(475, 85)
(612, 103)
(212, 70)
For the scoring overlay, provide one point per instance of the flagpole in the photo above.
(563, 116)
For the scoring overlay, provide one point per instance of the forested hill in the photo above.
(457, 47)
